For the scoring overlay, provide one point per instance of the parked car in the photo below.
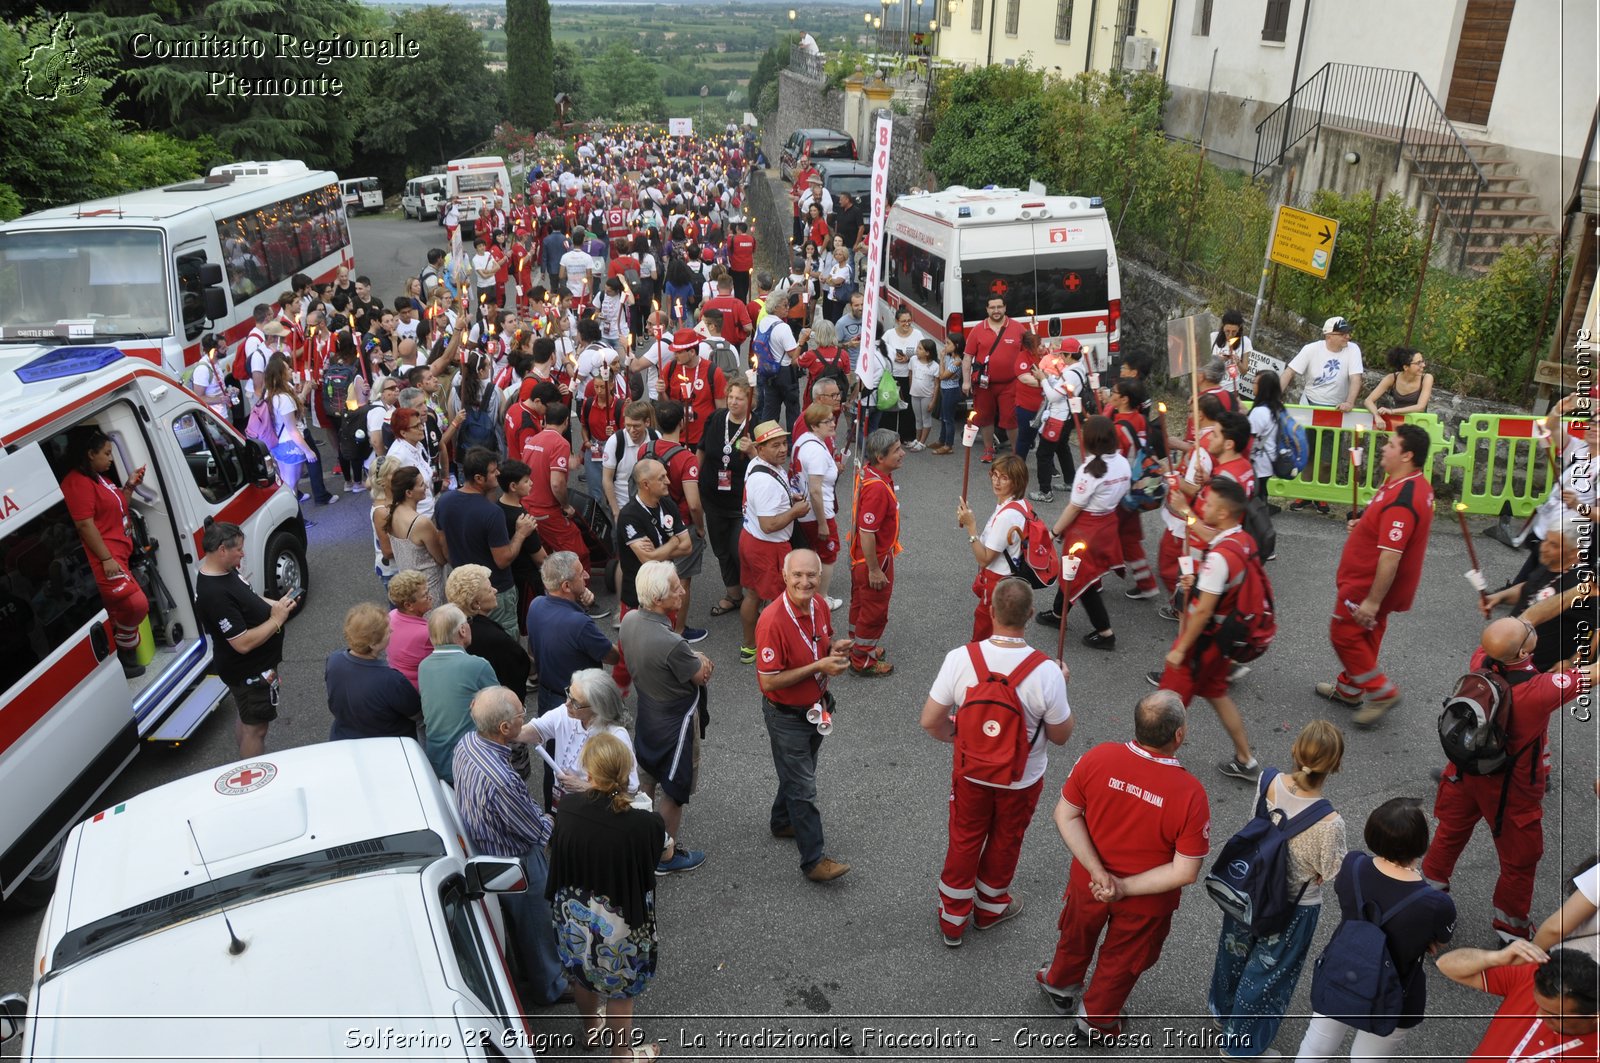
(422, 197)
(846, 175)
(819, 144)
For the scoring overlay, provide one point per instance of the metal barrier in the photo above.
(1327, 479)
(1503, 462)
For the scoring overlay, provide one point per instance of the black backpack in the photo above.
(1474, 730)
(353, 441)
(1356, 980)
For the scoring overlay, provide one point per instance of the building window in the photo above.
(947, 13)
(1276, 26)
(1013, 9)
(1202, 27)
(977, 16)
(1063, 20)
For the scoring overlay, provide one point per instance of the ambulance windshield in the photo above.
(83, 283)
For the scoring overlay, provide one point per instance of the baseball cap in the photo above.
(1070, 346)
(685, 339)
(1336, 324)
(767, 431)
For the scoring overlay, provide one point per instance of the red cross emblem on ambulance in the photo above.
(246, 779)
(1072, 282)
(999, 288)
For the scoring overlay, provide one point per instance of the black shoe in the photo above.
(1322, 507)
(1096, 641)
(1274, 510)
(1049, 618)
(1299, 504)
(131, 668)
(1154, 679)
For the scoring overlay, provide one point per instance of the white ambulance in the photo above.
(477, 184)
(69, 720)
(317, 903)
(1051, 258)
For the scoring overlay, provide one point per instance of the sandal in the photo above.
(726, 605)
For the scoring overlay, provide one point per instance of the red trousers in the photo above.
(1132, 946)
(1519, 845)
(986, 828)
(1205, 673)
(983, 587)
(559, 533)
(1357, 650)
(124, 600)
(1167, 560)
(869, 612)
(1131, 531)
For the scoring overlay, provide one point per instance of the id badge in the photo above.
(725, 480)
(596, 453)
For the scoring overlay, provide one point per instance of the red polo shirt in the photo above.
(545, 453)
(787, 636)
(877, 511)
(741, 252)
(736, 320)
(699, 387)
(1003, 364)
(1517, 1033)
(1398, 518)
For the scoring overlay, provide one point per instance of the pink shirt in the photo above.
(408, 644)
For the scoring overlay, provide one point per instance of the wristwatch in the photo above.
(971, 539)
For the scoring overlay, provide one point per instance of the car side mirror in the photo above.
(13, 1007)
(259, 468)
(495, 874)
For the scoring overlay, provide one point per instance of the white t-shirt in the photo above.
(210, 385)
(902, 350)
(407, 454)
(577, 264)
(1214, 576)
(1198, 465)
(1326, 374)
(482, 264)
(592, 359)
(1264, 427)
(377, 417)
(256, 355)
(1102, 494)
(407, 330)
(1577, 476)
(836, 279)
(658, 354)
(766, 496)
(621, 459)
(816, 460)
(558, 726)
(1043, 695)
(1586, 935)
(997, 534)
(924, 377)
(781, 336)
(1058, 403)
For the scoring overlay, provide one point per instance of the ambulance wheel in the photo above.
(286, 567)
(36, 890)
(612, 567)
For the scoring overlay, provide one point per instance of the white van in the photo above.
(422, 197)
(361, 193)
(315, 903)
(1052, 259)
(476, 184)
(69, 720)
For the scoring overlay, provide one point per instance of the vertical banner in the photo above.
(880, 207)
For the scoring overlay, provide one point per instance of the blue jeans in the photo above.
(949, 401)
(532, 932)
(794, 754)
(594, 478)
(1026, 433)
(1254, 978)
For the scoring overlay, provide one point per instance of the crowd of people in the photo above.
(609, 384)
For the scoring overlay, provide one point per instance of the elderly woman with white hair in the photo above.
(469, 589)
(593, 706)
(448, 679)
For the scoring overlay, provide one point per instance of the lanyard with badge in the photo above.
(122, 503)
(821, 711)
(730, 438)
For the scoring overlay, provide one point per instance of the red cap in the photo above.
(1071, 346)
(686, 339)
(708, 254)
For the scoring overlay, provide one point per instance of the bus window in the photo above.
(211, 454)
(917, 274)
(1071, 282)
(48, 593)
(262, 249)
(1009, 278)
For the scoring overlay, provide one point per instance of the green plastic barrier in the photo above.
(1514, 468)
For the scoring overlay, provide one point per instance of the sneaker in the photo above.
(330, 500)
(1331, 692)
(1049, 618)
(1096, 641)
(834, 603)
(988, 456)
(1299, 504)
(1138, 595)
(1369, 714)
(131, 668)
(1042, 496)
(1238, 673)
(747, 655)
(1250, 772)
(598, 612)
(1166, 612)
(1089, 1029)
(683, 860)
(874, 670)
(1013, 910)
(1322, 507)
(1154, 679)
(826, 870)
(1062, 1001)
(692, 635)
(355, 489)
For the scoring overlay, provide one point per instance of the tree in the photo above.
(565, 71)
(620, 84)
(530, 91)
(992, 130)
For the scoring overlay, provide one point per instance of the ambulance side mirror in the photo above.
(257, 464)
(212, 291)
(13, 1006)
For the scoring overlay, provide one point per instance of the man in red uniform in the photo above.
(988, 819)
(989, 371)
(1378, 575)
(1139, 828)
(1549, 1006)
(1511, 801)
(1195, 664)
(695, 383)
(548, 454)
(736, 323)
(798, 655)
(872, 550)
(741, 259)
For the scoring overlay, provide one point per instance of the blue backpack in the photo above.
(1292, 449)
(761, 347)
(1250, 880)
(1356, 980)
(1147, 489)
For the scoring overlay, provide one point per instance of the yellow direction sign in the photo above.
(1304, 241)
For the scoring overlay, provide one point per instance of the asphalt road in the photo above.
(748, 946)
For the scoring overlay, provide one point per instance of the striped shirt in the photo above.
(499, 814)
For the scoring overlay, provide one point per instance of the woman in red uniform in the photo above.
(99, 508)
(1091, 519)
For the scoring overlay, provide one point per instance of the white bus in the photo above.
(1051, 258)
(477, 183)
(151, 272)
(361, 193)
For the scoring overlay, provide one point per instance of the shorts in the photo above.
(761, 566)
(827, 548)
(996, 400)
(689, 564)
(256, 701)
(1205, 673)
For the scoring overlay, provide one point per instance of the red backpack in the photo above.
(1037, 560)
(1251, 622)
(991, 739)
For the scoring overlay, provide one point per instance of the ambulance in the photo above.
(69, 720)
(477, 184)
(1051, 258)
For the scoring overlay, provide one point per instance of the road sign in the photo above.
(1304, 241)
(680, 127)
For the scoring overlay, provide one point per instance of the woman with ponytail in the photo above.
(1090, 519)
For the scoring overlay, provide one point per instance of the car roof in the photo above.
(244, 815)
(842, 168)
(819, 132)
(301, 996)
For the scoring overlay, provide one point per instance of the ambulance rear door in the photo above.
(66, 712)
(1075, 281)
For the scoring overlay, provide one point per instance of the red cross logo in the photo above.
(245, 777)
(1072, 283)
(999, 288)
(250, 777)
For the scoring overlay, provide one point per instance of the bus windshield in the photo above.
(83, 282)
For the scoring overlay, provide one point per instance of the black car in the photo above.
(846, 175)
(819, 144)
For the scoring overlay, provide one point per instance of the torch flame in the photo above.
(972, 416)
(1161, 407)
(1461, 507)
(1076, 547)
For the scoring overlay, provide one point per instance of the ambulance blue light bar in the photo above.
(1096, 201)
(67, 361)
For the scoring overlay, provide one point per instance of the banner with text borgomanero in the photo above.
(881, 135)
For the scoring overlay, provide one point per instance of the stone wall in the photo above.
(803, 103)
(769, 213)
